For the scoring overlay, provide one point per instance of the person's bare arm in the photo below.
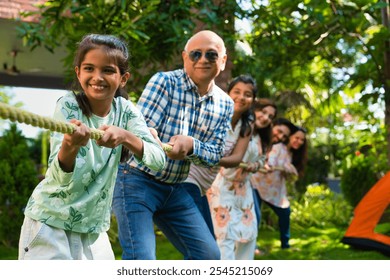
(238, 153)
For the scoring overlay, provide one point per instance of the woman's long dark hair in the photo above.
(115, 48)
(265, 133)
(246, 118)
(299, 156)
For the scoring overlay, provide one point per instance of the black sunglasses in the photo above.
(211, 56)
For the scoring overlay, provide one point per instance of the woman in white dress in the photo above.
(230, 196)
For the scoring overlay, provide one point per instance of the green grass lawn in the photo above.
(310, 244)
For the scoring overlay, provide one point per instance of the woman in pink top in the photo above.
(271, 186)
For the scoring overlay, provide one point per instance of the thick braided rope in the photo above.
(262, 170)
(18, 115)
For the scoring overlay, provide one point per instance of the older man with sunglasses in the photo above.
(192, 114)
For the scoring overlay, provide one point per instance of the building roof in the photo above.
(11, 9)
(38, 68)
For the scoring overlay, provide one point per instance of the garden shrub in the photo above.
(317, 207)
(316, 171)
(320, 207)
(18, 177)
(360, 173)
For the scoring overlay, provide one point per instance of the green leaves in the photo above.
(18, 177)
(321, 61)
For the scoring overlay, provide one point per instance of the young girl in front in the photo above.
(68, 213)
(230, 196)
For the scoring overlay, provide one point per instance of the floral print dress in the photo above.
(231, 200)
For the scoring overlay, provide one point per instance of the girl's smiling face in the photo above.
(297, 140)
(243, 97)
(280, 133)
(264, 116)
(100, 77)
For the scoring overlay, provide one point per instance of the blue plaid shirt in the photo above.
(171, 104)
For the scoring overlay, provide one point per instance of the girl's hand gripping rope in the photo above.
(79, 137)
(18, 115)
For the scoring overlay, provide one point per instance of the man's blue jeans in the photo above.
(201, 202)
(139, 200)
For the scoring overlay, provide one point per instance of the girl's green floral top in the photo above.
(80, 201)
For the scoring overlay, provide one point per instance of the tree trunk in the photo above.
(385, 21)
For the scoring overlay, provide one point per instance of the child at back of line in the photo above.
(68, 213)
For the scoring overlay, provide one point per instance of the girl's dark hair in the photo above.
(299, 156)
(265, 133)
(247, 118)
(115, 48)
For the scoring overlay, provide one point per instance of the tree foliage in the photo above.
(18, 177)
(324, 63)
(6, 97)
(359, 177)
(318, 48)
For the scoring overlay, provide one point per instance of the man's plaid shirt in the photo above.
(171, 104)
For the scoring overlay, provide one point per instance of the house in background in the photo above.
(19, 66)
